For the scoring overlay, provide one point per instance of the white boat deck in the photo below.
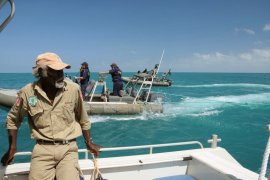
(202, 164)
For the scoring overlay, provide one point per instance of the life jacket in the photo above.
(82, 74)
(116, 74)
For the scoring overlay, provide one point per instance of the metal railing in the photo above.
(150, 147)
(9, 18)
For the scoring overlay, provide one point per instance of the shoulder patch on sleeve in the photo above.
(18, 99)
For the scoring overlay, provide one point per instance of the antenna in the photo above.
(160, 60)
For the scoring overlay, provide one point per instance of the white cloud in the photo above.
(262, 53)
(266, 27)
(216, 55)
(249, 31)
(245, 56)
(254, 54)
(219, 55)
(202, 56)
(245, 30)
(254, 60)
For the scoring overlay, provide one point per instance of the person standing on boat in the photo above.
(116, 74)
(153, 72)
(84, 78)
(145, 71)
(56, 116)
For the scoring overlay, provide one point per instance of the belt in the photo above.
(41, 141)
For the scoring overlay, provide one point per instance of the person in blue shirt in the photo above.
(84, 78)
(116, 74)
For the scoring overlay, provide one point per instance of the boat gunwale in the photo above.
(123, 148)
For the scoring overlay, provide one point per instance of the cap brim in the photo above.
(59, 66)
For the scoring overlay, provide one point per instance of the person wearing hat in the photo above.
(116, 74)
(56, 117)
(84, 78)
(153, 72)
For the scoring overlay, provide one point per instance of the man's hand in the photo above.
(8, 157)
(93, 148)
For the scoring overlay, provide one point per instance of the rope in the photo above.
(96, 171)
(265, 158)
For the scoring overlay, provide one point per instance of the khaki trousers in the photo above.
(55, 161)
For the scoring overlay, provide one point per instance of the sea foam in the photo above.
(247, 85)
(213, 105)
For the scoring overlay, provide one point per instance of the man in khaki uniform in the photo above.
(56, 116)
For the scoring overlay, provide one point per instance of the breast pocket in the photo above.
(68, 114)
(35, 114)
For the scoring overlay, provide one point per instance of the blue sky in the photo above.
(198, 36)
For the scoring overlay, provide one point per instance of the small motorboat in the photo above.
(152, 75)
(136, 102)
(140, 77)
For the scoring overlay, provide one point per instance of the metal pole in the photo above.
(9, 18)
(160, 60)
(265, 158)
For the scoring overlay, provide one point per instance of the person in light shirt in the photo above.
(56, 116)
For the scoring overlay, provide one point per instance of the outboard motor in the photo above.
(155, 97)
(128, 90)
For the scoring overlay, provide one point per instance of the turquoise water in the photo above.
(234, 106)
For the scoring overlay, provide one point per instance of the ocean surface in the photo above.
(235, 106)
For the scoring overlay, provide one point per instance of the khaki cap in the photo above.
(52, 60)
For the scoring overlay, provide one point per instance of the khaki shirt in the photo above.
(64, 119)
